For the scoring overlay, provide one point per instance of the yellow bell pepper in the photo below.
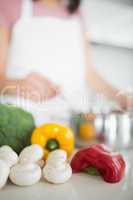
(52, 137)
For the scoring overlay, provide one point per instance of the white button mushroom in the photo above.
(31, 154)
(25, 174)
(57, 170)
(8, 155)
(4, 173)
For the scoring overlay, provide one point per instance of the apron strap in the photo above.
(27, 9)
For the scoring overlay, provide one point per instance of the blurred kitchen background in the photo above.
(110, 26)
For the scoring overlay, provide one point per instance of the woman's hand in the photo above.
(34, 87)
(125, 102)
(39, 87)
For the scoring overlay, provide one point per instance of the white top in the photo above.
(53, 47)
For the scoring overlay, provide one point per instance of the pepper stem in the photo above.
(92, 171)
(52, 144)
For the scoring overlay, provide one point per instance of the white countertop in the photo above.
(80, 187)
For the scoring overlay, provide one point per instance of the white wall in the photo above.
(110, 23)
(114, 64)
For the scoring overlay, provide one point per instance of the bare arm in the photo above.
(4, 42)
(98, 83)
(4, 38)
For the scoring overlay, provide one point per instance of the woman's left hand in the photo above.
(44, 88)
(125, 102)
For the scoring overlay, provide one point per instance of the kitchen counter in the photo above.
(79, 187)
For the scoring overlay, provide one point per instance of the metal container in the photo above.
(118, 130)
(115, 129)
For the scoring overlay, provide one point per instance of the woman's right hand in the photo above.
(35, 87)
(39, 88)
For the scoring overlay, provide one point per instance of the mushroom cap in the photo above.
(8, 155)
(57, 156)
(31, 154)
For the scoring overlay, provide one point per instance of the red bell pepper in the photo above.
(111, 166)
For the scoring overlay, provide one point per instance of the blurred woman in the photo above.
(44, 58)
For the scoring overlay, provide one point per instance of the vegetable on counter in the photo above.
(16, 127)
(23, 170)
(25, 174)
(57, 170)
(52, 137)
(9, 156)
(4, 173)
(111, 166)
(31, 154)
